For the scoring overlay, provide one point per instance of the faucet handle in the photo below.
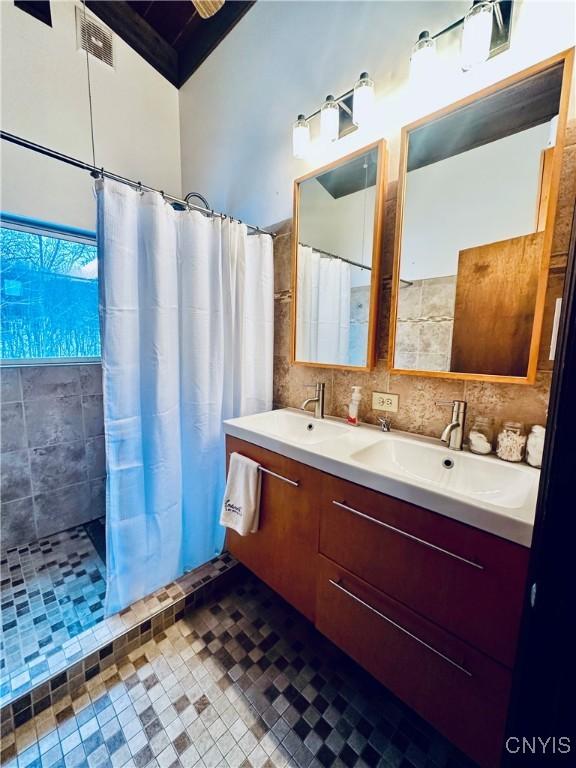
(385, 423)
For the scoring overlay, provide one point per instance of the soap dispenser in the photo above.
(353, 406)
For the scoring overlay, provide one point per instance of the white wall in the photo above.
(481, 196)
(45, 99)
(283, 58)
(343, 226)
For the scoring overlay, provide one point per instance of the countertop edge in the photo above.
(511, 529)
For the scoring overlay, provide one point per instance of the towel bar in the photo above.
(280, 477)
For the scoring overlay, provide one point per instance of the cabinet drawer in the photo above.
(463, 579)
(459, 690)
(283, 551)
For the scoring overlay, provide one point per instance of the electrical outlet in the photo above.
(384, 401)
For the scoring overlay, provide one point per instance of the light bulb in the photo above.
(329, 120)
(300, 137)
(363, 105)
(423, 59)
(477, 34)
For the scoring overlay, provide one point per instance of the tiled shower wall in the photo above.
(53, 460)
(418, 411)
(424, 324)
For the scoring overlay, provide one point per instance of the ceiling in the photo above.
(169, 34)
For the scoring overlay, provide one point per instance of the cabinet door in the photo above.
(284, 549)
(460, 691)
(463, 579)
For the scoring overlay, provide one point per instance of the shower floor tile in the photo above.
(244, 682)
(51, 591)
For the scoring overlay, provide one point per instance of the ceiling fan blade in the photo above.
(207, 8)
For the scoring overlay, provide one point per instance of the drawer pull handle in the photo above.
(399, 627)
(407, 535)
(279, 477)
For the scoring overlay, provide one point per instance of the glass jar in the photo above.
(535, 446)
(481, 435)
(511, 441)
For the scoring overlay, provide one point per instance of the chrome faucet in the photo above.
(453, 433)
(318, 400)
(385, 423)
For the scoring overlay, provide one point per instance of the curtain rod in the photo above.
(100, 172)
(334, 256)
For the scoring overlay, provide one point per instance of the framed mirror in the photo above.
(337, 242)
(478, 187)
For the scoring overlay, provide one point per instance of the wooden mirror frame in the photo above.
(566, 58)
(381, 180)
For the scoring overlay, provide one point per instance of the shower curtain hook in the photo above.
(140, 188)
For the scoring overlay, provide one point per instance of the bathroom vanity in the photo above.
(419, 583)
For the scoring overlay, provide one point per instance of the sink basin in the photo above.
(477, 477)
(297, 426)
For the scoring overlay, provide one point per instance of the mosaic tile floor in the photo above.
(51, 591)
(243, 682)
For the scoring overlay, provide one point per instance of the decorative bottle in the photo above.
(511, 441)
(353, 406)
(535, 446)
(481, 435)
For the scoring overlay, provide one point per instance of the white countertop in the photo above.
(482, 491)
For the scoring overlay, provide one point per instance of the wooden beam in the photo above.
(213, 31)
(139, 35)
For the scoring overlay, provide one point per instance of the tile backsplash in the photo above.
(418, 395)
(53, 459)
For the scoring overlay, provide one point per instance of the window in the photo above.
(49, 292)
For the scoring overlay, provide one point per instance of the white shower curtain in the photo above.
(186, 305)
(322, 308)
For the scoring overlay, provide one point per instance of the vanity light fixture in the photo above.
(486, 31)
(363, 104)
(477, 33)
(329, 119)
(338, 116)
(300, 137)
(423, 56)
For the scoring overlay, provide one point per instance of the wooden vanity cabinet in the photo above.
(465, 580)
(428, 605)
(283, 552)
(458, 689)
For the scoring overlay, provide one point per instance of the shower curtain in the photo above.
(186, 307)
(322, 307)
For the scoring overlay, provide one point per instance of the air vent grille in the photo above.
(94, 38)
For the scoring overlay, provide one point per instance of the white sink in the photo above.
(480, 478)
(298, 427)
(482, 491)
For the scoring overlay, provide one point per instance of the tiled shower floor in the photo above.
(51, 591)
(244, 682)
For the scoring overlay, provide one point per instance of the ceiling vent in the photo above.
(94, 38)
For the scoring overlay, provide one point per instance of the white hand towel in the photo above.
(241, 507)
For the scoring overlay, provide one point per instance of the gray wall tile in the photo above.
(10, 380)
(15, 476)
(98, 498)
(12, 437)
(43, 408)
(93, 415)
(62, 509)
(53, 420)
(57, 465)
(91, 379)
(95, 457)
(17, 526)
(50, 381)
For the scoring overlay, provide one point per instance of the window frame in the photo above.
(48, 229)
